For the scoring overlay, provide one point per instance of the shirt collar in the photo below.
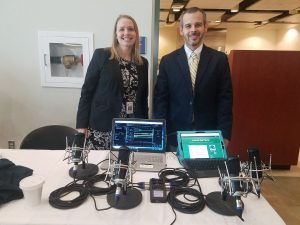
(189, 51)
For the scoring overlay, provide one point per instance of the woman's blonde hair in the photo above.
(135, 52)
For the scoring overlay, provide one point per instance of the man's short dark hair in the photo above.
(192, 10)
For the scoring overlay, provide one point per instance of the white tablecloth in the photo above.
(50, 164)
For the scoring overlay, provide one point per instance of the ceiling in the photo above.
(274, 14)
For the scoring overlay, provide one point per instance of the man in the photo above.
(193, 89)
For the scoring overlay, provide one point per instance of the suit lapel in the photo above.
(204, 61)
(115, 69)
(184, 67)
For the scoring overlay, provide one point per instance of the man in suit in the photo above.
(193, 89)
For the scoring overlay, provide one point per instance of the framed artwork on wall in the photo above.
(64, 57)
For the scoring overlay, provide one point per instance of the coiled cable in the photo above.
(174, 176)
(56, 201)
(190, 207)
(93, 190)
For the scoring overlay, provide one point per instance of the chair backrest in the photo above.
(51, 137)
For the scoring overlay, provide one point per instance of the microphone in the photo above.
(77, 149)
(120, 173)
(256, 168)
(121, 170)
(77, 153)
(254, 157)
(233, 165)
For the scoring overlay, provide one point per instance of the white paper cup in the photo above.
(32, 187)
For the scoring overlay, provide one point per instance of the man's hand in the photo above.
(226, 142)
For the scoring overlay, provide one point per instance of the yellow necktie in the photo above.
(193, 68)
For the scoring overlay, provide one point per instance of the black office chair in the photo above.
(52, 137)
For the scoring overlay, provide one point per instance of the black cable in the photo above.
(175, 177)
(190, 207)
(101, 161)
(93, 190)
(96, 191)
(178, 180)
(95, 204)
(174, 153)
(55, 196)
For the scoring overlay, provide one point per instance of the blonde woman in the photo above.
(116, 85)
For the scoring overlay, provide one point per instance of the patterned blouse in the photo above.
(99, 140)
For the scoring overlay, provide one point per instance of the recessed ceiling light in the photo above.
(177, 5)
(235, 9)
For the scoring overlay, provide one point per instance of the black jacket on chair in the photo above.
(102, 92)
(208, 108)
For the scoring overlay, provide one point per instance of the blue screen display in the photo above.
(139, 135)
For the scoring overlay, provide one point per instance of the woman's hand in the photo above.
(85, 131)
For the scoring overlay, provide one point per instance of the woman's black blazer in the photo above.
(102, 92)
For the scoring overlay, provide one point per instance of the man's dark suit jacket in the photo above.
(102, 92)
(208, 108)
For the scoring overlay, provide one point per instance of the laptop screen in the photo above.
(139, 134)
(201, 144)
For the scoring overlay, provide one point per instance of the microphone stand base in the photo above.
(215, 202)
(131, 199)
(81, 173)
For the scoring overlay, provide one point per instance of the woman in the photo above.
(116, 85)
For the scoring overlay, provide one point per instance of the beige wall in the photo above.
(169, 40)
(238, 39)
(289, 39)
(250, 39)
(24, 104)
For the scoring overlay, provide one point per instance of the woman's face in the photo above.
(126, 33)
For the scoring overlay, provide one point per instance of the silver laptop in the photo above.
(146, 138)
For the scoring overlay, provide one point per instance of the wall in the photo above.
(216, 40)
(169, 40)
(289, 39)
(250, 39)
(266, 87)
(24, 104)
(236, 39)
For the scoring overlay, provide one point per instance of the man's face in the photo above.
(193, 29)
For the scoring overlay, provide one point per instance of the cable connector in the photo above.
(169, 186)
(142, 185)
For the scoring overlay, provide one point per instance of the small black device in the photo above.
(157, 191)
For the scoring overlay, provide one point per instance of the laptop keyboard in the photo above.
(205, 164)
(204, 168)
(149, 158)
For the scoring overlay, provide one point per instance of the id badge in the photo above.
(129, 107)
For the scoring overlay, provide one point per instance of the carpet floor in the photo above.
(284, 196)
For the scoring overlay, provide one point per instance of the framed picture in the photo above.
(64, 57)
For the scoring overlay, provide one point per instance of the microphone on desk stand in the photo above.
(235, 183)
(120, 172)
(79, 153)
(257, 169)
(228, 202)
